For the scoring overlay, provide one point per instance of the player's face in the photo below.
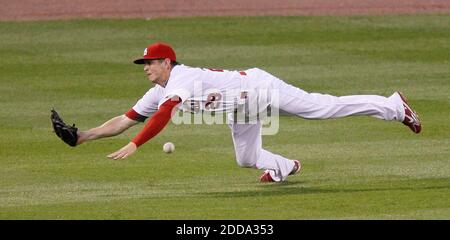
(157, 71)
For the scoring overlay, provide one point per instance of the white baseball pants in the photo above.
(247, 137)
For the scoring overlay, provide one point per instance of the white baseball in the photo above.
(168, 147)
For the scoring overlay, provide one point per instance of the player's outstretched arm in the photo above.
(156, 123)
(110, 128)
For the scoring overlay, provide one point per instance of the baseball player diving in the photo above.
(198, 90)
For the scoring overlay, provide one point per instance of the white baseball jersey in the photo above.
(203, 90)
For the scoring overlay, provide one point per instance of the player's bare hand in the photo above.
(124, 152)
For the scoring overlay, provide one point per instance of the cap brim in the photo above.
(139, 61)
(142, 60)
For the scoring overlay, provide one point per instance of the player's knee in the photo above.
(246, 163)
(246, 158)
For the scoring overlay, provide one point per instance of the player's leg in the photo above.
(323, 106)
(249, 153)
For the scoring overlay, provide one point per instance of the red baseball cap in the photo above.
(157, 51)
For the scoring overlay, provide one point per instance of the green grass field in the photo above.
(353, 168)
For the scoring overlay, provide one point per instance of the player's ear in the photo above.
(167, 62)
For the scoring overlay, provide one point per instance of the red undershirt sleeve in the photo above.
(156, 123)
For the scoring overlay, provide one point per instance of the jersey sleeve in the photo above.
(181, 85)
(145, 106)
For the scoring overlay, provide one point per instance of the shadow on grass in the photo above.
(299, 188)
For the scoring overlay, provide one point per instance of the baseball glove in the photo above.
(67, 133)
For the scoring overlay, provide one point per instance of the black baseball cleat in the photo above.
(411, 117)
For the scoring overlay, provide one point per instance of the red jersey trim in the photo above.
(131, 114)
